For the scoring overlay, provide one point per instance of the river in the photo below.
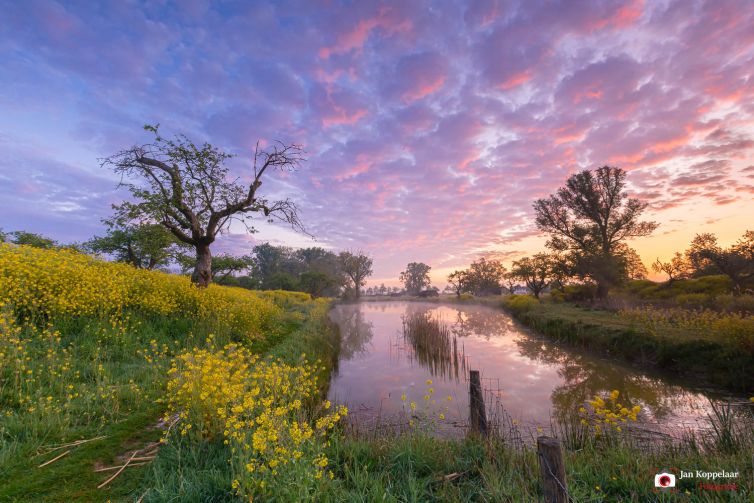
(528, 379)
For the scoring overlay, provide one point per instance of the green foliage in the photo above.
(706, 257)
(416, 277)
(694, 300)
(483, 277)
(356, 266)
(145, 246)
(707, 285)
(580, 292)
(29, 239)
(735, 303)
(520, 303)
(190, 191)
(314, 270)
(589, 219)
(557, 296)
(535, 272)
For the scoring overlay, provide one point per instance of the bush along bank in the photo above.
(713, 348)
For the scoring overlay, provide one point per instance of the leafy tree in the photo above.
(31, 239)
(283, 281)
(188, 189)
(143, 245)
(590, 217)
(484, 276)
(634, 267)
(269, 260)
(510, 281)
(315, 283)
(702, 247)
(319, 260)
(535, 272)
(676, 268)
(357, 267)
(736, 262)
(458, 282)
(416, 277)
(224, 265)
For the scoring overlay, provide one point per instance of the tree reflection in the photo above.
(585, 376)
(355, 332)
(479, 322)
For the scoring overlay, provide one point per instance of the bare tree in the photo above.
(188, 189)
(677, 268)
(590, 218)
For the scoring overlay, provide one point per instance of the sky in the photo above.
(430, 127)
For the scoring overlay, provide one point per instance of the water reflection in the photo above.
(432, 344)
(533, 378)
(585, 376)
(355, 332)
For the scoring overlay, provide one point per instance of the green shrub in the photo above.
(520, 303)
(582, 292)
(694, 300)
(735, 303)
(711, 285)
(636, 286)
(466, 296)
(557, 296)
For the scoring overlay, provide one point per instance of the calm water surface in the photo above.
(529, 377)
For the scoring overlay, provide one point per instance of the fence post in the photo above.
(478, 414)
(552, 468)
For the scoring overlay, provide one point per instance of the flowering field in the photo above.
(100, 357)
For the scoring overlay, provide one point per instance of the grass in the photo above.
(418, 467)
(183, 470)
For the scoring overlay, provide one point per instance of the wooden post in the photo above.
(478, 414)
(552, 468)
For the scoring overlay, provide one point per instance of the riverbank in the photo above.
(719, 360)
(702, 354)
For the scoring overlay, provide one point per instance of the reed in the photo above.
(433, 344)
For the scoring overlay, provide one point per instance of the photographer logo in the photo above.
(664, 480)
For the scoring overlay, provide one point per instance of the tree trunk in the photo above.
(202, 275)
(602, 288)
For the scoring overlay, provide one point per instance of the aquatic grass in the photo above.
(435, 347)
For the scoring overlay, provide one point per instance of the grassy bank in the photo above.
(95, 352)
(418, 467)
(700, 350)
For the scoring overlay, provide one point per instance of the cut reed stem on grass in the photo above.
(118, 472)
(52, 448)
(110, 468)
(54, 459)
